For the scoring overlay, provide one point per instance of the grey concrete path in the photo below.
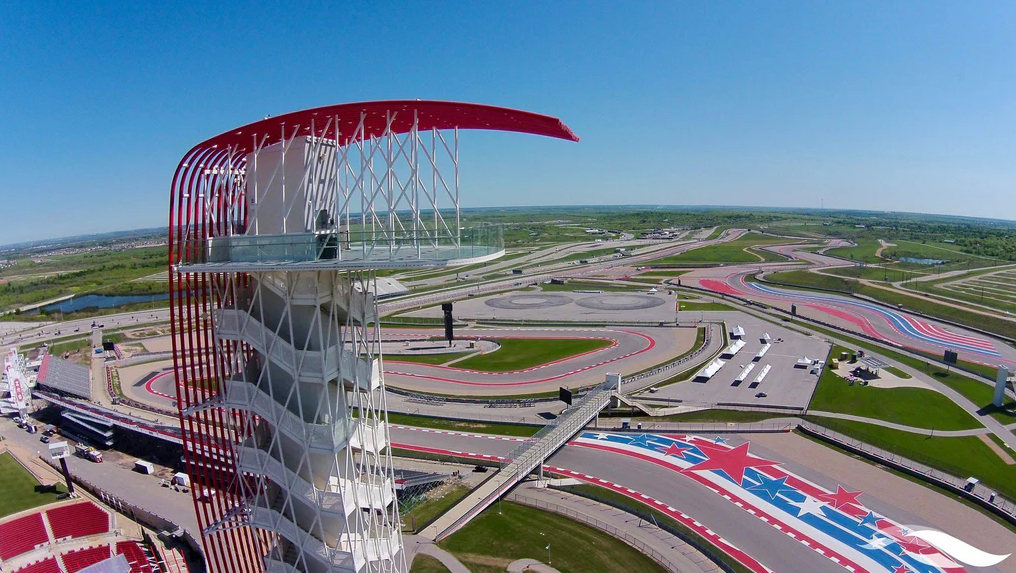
(415, 544)
(685, 557)
(901, 427)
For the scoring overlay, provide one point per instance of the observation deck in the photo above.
(342, 250)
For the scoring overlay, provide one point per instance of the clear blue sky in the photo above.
(883, 105)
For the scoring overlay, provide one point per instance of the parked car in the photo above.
(761, 395)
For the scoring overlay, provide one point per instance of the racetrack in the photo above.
(788, 516)
(633, 349)
(895, 327)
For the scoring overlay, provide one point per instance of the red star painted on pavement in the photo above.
(731, 461)
(676, 450)
(901, 569)
(917, 546)
(841, 498)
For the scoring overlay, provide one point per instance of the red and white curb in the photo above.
(462, 434)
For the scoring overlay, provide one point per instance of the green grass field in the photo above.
(890, 272)
(690, 306)
(103, 272)
(572, 286)
(977, 392)
(20, 489)
(729, 252)
(863, 252)
(522, 353)
(462, 426)
(491, 541)
(424, 512)
(898, 373)
(432, 359)
(915, 407)
(962, 457)
(427, 564)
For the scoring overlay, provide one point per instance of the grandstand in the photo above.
(77, 520)
(74, 561)
(135, 555)
(50, 541)
(64, 376)
(45, 566)
(20, 535)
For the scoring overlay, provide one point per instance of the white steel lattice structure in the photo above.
(276, 230)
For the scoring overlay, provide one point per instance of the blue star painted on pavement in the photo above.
(771, 487)
(720, 440)
(870, 520)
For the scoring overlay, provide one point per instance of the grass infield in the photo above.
(493, 540)
(915, 407)
(523, 353)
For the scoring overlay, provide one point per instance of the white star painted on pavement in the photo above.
(600, 436)
(877, 542)
(809, 505)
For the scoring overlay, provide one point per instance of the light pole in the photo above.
(548, 555)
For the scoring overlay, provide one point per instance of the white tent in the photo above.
(710, 369)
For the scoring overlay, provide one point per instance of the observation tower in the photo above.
(276, 231)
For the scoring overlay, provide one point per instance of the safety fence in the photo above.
(602, 526)
(706, 341)
(768, 426)
(976, 492)
(143, 357)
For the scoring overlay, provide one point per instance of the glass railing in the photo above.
(359, 248)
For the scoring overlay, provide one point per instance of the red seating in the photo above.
(77, 520)
(77, 560)
(45, 566)
(22, 534)
(135, 556)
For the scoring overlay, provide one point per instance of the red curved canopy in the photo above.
(430, 114)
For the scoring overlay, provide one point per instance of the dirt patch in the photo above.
(468, 559)
(1005, 457)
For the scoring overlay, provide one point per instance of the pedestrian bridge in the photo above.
(523, 460)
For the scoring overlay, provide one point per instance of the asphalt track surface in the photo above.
(760, 506)
(894, 327)
(632, 349)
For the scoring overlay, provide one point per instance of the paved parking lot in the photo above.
(785, 386)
